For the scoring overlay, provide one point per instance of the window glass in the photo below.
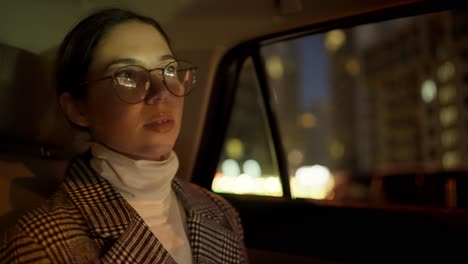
(376, 112)
(247, 164)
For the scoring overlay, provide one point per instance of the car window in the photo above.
(248, 163)
(373, 113)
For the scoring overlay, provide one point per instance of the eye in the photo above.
(126, 78)
(170, 71)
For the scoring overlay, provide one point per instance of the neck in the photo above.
(135, 179)
(159, 157)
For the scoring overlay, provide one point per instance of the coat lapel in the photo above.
(137, 245)
(210, 234)
(109, 217)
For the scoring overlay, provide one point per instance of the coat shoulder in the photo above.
(57, 212)
(42, 234)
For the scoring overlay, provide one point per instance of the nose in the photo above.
(157, 90)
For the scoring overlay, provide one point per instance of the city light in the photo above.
(446, 71)
(428, 91)
(274, 66)
(252, 168)
(306, 120)
(267, 185)
(353, 67)
(314, 182)
(335, 39)
(250, 181)
(447, 93)
(449, 138)
(450, 159)
(448, 115)
(230, 168)
(295, 157)
(337, 150)
(234, 148)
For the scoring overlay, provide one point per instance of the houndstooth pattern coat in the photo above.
(87, 221)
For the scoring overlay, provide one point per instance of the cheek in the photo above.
(179, 106)
(117, 127)
(108, 117)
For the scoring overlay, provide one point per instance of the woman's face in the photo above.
(146, 130)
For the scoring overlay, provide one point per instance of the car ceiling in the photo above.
(38, 26)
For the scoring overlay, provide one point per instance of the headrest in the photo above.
(30, 119)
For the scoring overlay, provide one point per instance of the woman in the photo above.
(120, 202)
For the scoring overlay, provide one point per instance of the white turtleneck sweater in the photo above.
(147, 187)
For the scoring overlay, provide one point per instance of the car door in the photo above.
(345, 141)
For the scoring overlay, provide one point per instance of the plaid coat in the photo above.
(87, 221)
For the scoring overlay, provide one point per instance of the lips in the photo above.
(161, 123)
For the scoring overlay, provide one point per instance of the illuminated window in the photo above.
(446, 94)
(451, 159)
(448, 115)
(247, 165)
(446, 71)
(449, 138)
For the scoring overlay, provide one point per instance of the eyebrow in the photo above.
(130, 61)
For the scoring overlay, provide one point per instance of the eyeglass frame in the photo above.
(112, 76)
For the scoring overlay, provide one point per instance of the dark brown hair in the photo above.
(76, 51)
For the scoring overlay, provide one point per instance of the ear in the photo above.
(73, 110)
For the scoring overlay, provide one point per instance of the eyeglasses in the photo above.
(132, 83)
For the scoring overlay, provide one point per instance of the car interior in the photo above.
(378, 79)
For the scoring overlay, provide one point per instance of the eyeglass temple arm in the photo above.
(96, 80)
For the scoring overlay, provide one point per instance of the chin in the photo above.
(156, 152)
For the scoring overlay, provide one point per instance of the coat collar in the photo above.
(109, 216)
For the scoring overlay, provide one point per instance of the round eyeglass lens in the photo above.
(179, 77)
(131, 83)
